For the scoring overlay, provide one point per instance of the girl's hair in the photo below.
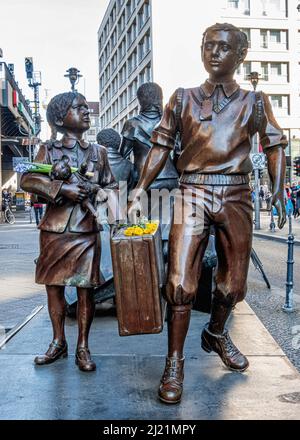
(59, 106)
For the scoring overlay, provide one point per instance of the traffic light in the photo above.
(296, 162)
(29, 67)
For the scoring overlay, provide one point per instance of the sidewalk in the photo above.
(278, 235)
(128, 373)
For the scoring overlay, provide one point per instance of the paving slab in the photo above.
(128, 373)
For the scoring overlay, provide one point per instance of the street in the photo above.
(19, 295)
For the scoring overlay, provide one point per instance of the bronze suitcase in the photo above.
(138, 277)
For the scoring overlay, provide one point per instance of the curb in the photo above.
(274, 238)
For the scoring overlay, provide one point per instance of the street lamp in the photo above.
(73, 75)
(257, 158)
(254, 78)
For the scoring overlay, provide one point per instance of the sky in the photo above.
(58, 34)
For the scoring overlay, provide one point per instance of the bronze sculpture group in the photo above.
(215, 123)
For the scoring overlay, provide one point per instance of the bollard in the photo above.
(289, 305)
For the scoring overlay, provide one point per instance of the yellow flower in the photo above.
(138, 230)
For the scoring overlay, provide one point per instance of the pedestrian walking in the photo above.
(37, 207)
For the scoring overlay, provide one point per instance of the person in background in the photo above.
(261, 196)
(38, 208)
(297, 210)
(6, 198)
(294, 196)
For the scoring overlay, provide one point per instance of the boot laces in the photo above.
(229, 345)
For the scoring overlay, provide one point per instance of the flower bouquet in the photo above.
(42, 168)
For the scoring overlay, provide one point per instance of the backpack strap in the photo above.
(179, 100)
(259, 110)
(177, 147)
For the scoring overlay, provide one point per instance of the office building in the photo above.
(158, 40)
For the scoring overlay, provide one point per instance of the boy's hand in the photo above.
(134, 209)
(278, 202)
(74, 192)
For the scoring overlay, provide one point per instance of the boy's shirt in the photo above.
(218, 141)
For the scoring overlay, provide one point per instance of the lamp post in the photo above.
(254, 79)
(73, 74)
(34, 81)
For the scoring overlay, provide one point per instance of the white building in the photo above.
(125, 59)
(159, 40)
(91, 134)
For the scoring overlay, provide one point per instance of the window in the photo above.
(129, 8)
(102, 62)
(241, 6)
(280, 104)
(114, 62)
(143, 15)
(132, 62)
(275, 39)
(102, 101)
(121, 24)
(114, 38)
(246, 70)
(122, 49)
(233, 4)
(273, 8)
(132, 89)
(122, 75)
(101, 42)
(123, 100)
(115, 109)
(144, 46)
(276, 101)
(131, 34)
(275, 69)
(264, 39)
(275, 36)
(108, 116)
(114, 85)
(145, 75)
(264, 71)
(120, 4)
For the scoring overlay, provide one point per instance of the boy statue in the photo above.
(69, 238)
(216, 122)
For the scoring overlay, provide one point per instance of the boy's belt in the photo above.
(214, 179)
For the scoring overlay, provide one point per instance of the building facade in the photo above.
(273, 30)
(91, 134)
(160, 40)
(125, 59)
(16, 128)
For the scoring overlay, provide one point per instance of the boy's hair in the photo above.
(109, 138)
(241, 36)
(58, 107)
(150, 94)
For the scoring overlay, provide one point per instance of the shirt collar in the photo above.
(67, 142)
(229, 88)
